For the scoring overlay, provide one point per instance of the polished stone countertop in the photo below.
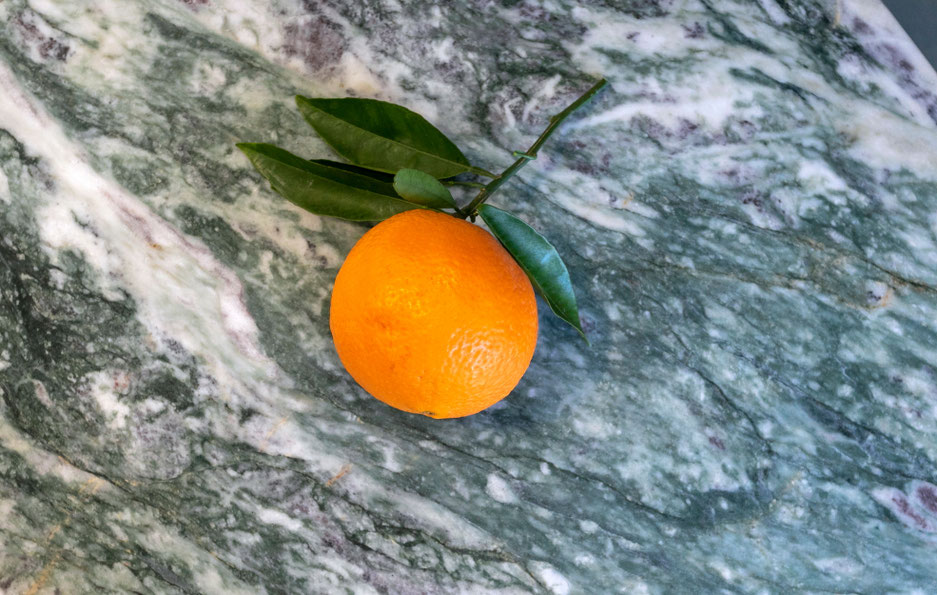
(749, 214)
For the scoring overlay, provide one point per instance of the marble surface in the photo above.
(749, 214)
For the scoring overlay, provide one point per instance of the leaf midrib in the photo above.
(466, 165)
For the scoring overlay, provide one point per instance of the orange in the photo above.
(431, 315)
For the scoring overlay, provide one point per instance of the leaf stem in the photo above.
(531, 153)
(482, 172)
(461, 183)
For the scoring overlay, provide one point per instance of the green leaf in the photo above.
(540, 261)
(423, 189)
(364, 179)
(363, 171)
(322, 189)
(382, 136)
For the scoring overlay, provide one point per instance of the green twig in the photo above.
(459, 212)
(531, 153)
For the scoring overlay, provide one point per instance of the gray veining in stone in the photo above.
(749, 214)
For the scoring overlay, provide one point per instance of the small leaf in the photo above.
(382, 136)
(539, 259)
(423, 189)
(322, 189)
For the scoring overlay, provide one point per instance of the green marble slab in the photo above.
(749, 214)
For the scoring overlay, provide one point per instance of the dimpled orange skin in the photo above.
(431, 315)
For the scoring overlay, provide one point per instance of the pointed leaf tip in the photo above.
(539, 259)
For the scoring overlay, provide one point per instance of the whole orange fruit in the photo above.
(431, 315)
